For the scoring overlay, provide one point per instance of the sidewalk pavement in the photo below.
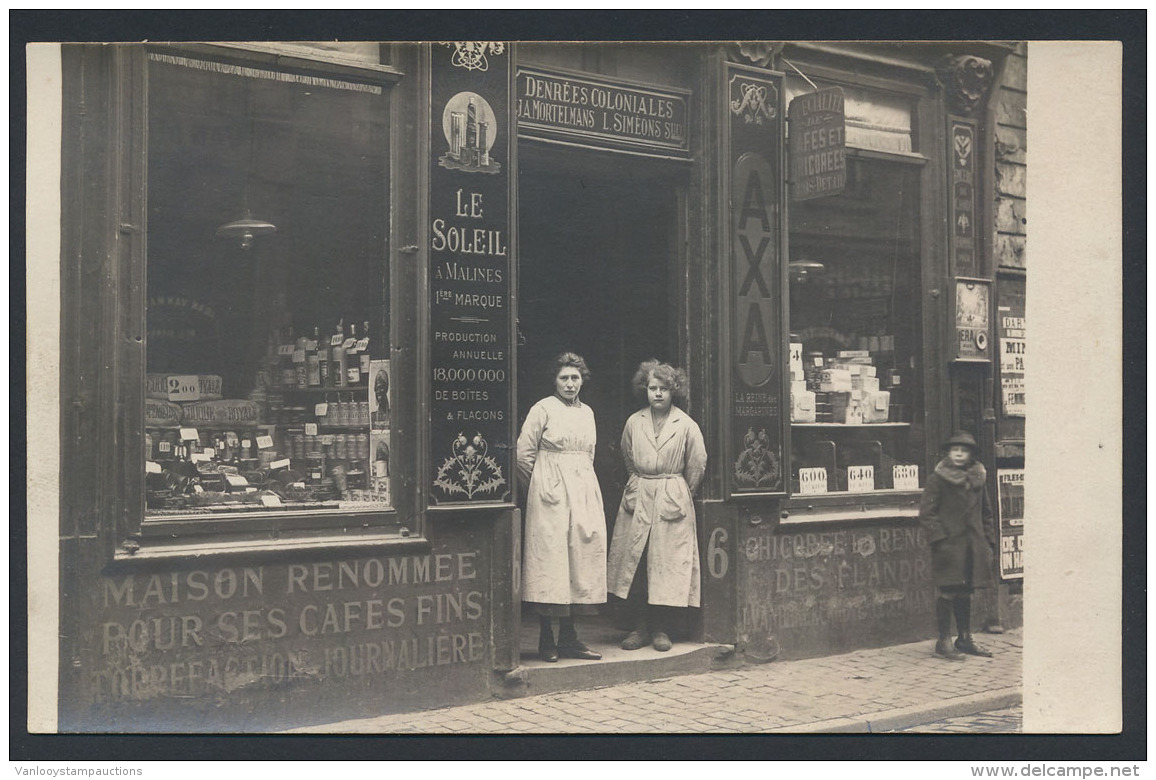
(879, 690)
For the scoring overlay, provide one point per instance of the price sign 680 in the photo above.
(183, 388)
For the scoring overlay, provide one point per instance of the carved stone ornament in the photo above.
(471, 55)
(967, 79)
(761, 53)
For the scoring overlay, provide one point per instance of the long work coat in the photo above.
(956, 514)
(657, 507)
(564, 560)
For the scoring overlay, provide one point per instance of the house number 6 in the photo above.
(717, 560)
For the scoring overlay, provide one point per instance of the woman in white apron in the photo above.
(564, 561)
(653, 560)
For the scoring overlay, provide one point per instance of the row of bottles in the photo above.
(304, 361)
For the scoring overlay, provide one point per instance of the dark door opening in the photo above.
(596, 258)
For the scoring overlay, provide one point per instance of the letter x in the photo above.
(754, 259)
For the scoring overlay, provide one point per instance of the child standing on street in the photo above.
(956, 514)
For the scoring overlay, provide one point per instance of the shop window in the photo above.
(268, 387)
(855, 345)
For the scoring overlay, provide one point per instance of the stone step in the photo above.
(534, 676)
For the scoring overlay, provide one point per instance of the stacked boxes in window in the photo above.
(867, 404)
(802, 398)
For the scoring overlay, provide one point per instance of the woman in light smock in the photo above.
(564, 561)
(653, 560)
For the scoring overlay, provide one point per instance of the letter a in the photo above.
(755, 336)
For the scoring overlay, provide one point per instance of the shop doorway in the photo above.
(598, 250)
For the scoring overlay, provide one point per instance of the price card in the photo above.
(264, 442)
(152, 467)
(198, 488)
(905, 477)
(189, 434)
(164, 446)
(183, 388)
(812, 481)
(236, 480)
(286, 349)
(336, 340)
(299, 355)
(860, 479)
(271, 499)
(280, 464)
(208, 452)
(321, 409)
(348, 344)
(246, 443)
(310, 429)
(327, 440)
(362, 344)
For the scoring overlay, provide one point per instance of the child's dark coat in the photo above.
(956, 514)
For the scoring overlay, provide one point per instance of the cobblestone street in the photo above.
(886, 689)
(1009, 721)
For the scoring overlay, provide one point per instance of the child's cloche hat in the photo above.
(962, 438)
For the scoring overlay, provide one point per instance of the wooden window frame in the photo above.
(105, 199)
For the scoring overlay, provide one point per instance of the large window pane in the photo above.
(856, 392)
(268, 326)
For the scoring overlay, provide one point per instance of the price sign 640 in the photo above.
(183, 388)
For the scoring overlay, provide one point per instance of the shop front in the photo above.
(309, 294)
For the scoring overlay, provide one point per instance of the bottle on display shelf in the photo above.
(323, 366)
(313, 360)
(352, 358)
(299, 348)
(364, 354)
(337, 355)
(285, 351)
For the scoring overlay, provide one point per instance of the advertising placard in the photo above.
(755, 336)
(818, 144)
(1011, 523)
(469, 274)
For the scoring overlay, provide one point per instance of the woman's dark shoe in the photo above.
(944, 648)
(965, 644)
(575, 649)
(548, 652)
(636, 639)
(662, 642)
(547, 648)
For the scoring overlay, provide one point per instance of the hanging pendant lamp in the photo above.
(246, 229)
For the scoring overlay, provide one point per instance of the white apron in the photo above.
(564, 550)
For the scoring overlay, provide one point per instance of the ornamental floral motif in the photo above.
(471, 471)
(754, 101)
(471, 55)
(757, 465)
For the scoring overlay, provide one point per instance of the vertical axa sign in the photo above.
(754, 248)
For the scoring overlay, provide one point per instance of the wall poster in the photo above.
(469, 274)
(1012, 349)
(1011, 523)
(755, 337)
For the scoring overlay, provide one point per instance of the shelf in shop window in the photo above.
(851, 425)
(326, 427)
(319, 390)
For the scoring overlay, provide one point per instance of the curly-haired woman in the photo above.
(564, 561)
(653, 561)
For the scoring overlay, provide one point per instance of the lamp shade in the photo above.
(246, 229)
